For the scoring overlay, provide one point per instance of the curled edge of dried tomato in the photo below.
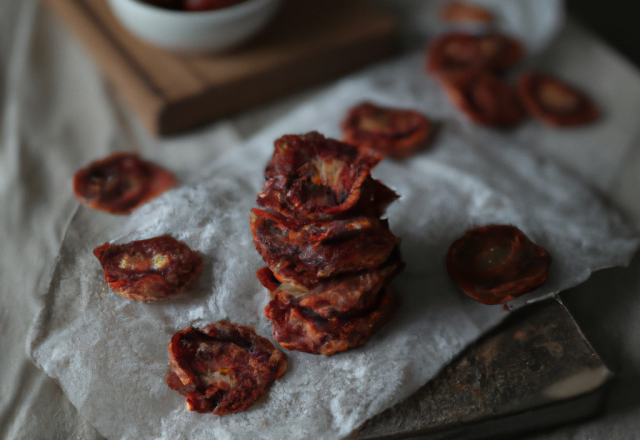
(303, 254)
(496, 263)
(494, 52)
(121, 183)
(151, 269)
(222, 368)
(345, 294)
(299, 328)
(554, 102)
(483, 97)
(314, 178)
(392, 132)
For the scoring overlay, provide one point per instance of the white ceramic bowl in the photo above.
(204, 31)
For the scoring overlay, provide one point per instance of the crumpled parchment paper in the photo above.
(110, 354)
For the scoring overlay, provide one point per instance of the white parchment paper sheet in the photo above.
(109, 354)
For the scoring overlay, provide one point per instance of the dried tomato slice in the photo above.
(148, 270)
(300, 328)
(496, 263)
(460, 51)
(347, 293)
(315, 178)
(483, 97)
(301, 255)
(121, 183)
(223, 367)
(388, 131)
(555, 102)
(456, 11)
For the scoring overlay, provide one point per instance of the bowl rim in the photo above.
(245, 6)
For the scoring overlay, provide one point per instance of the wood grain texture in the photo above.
(308, 43)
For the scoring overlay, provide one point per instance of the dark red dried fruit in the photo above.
(300, 328)
(317, 179)
(345, 294)
(497, 263)
(121, 183)
(456, 12)
(302, 255)
(222, 368)
(483, 97)
(388, 131)
(460, 51)
(330, 257)
(148, 270)
(555, 102)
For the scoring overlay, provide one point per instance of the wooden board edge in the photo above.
(197, 111)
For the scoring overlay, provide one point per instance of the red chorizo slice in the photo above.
(497, 263)
(483, 97)
(223, 367)
(461, 12)
(148, 270)
(121, 183)
(301, 329)
(391, 132)
(315, 178)
(460, 51)
(555, 102)
(301, 255)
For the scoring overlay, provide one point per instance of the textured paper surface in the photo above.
(109, 354)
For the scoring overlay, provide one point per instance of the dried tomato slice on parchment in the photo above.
(314, 178)
(347, 293)
(222, 368)
(392, 132)
(463, 12)
(497, 263)
(121, 183)
(554, 102)
(483, 97)
(302, 255)
(460, 51)
(300, 328)
(148, 270)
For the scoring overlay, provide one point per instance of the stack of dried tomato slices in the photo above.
(329, 255)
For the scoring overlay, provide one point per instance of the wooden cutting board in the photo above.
(308, 43)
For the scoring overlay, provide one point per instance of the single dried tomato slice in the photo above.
(223, 367)
(483, 97)
(345, 294)
(148, 270)
(496, 263)
(315, 178)
(555, 102)
(300, 328)
(457, 12)
(388, 131)
(301, 255)
(460, 51)
(121, 183)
